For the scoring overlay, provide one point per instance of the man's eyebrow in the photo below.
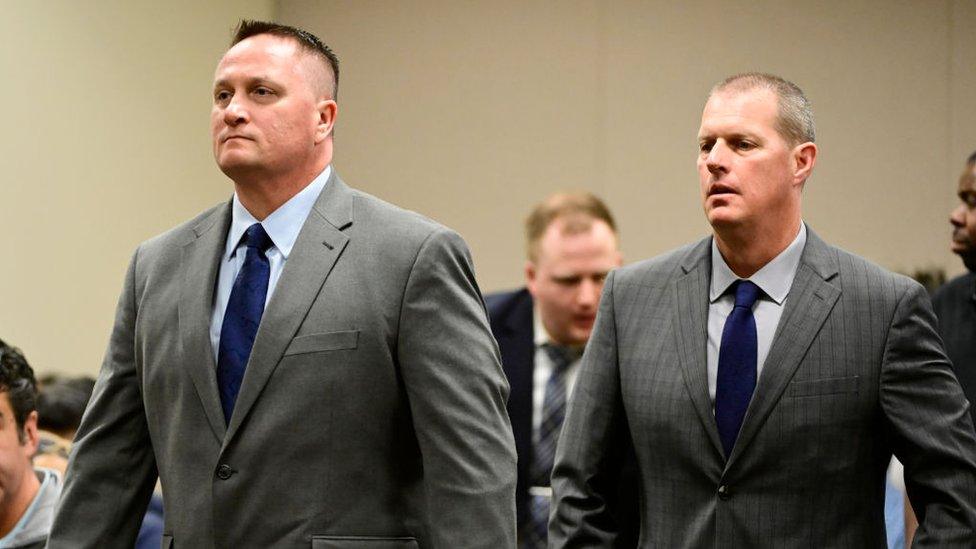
(251, 80)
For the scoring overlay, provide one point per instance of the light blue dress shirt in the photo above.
(774, 279)
(283, 226)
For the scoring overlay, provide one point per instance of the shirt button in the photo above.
(724, 493)
(224, 471)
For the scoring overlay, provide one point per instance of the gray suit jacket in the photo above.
(371, 415)
(856, 371)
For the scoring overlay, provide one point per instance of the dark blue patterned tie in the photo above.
(736, 365)
(544, 452)
(242, 317)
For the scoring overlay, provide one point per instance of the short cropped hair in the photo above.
(578, 208)
(306, 40)
(795, 121)
(972, 159)
(17, 380)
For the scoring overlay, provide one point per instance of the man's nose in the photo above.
(235, 113)
(589, 293)
(717, 157)
(958, 216)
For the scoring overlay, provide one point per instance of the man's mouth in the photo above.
(718, 189)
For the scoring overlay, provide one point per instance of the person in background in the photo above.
(28, 495)
(955, 301)
(542, 329)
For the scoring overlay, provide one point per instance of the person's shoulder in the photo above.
(661, 269)
(501, 303)
(178, 236)
(955, 290)
(391, 219)
(855, 273)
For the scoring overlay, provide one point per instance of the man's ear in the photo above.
(804, 158)
(328, 109)
(530, 276)
(30, 437)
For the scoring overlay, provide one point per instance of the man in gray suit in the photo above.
(764, 376)
(304, 365)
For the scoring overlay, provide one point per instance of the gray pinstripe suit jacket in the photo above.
(856, 372)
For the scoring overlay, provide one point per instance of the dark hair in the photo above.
(17, 380)
(579, 208)
(62, 402)
(972, 158)
(306, 40)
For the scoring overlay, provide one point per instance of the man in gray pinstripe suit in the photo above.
(764, 376)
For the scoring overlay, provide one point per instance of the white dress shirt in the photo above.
(774, 279)
(282, 226)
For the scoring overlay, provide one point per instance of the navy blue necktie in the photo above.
(736, 379)
(242, 317)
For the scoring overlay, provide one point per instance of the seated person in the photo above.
(29, 495)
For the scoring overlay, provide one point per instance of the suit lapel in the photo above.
(689, 316)
(200, 263)
(810, 301)
(318, 247)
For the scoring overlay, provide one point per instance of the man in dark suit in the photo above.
(304, 365)
(765, 377)
(571, 243)
(955, 302)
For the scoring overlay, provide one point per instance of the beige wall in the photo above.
(105, 143)
(468, 112)
(472, 111)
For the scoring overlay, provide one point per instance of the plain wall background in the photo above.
(106, 142)
(468, 112)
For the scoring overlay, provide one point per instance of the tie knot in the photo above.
(746, 293)
(256, 237)
(562, 355)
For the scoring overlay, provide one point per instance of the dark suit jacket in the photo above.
(955, 305)
(855, 373)
(512, 323)
(372, 411)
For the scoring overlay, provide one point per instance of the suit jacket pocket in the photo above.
(330, 341)
(827, 386)
(363, 542)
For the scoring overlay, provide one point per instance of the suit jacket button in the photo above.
(224, 471)
(724, 493)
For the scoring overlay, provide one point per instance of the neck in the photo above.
(263, 193)
(14, 504)
(746, 252)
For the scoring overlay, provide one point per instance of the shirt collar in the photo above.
(284, 224)
(540, 335)
(774, 278)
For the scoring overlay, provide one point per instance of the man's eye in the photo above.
(745, 145)
(263, 92)
(704, 146)
(222, 96)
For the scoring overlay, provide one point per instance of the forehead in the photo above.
(261, 53)
(568, 237)
(740, 111)
(967, 182)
